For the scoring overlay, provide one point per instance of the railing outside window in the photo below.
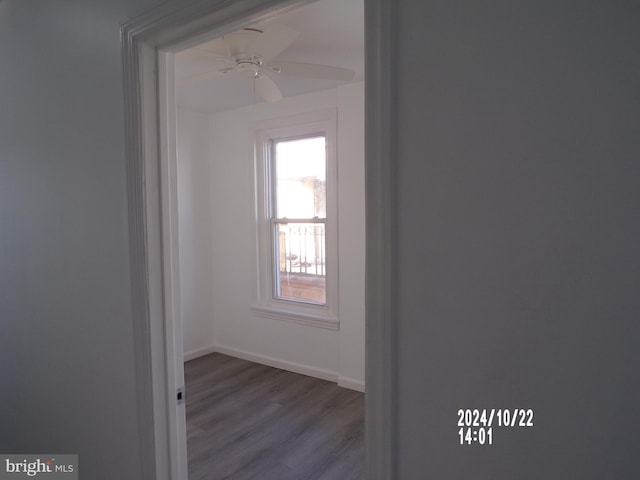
(301, 253)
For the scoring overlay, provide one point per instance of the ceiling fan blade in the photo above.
(275, 39)
(313, 70)
(267, 88)
(201, 77)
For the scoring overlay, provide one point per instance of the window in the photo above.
(299, 219)
(297, 238)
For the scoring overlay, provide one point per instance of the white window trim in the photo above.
(325, 316)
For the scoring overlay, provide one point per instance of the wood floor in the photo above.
(247, 421)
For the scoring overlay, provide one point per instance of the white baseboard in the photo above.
(278, 363)
(321, 373)
(351, 383)
(199, 352)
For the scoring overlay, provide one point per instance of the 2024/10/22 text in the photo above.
(476, 425)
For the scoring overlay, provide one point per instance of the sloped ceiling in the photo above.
(331, 32)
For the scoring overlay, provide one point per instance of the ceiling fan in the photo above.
(252, 52)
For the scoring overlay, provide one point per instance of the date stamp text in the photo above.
(476, 426)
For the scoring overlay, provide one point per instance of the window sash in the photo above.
(299, 220)
(308, 260)
(279, 259)
(273, 170)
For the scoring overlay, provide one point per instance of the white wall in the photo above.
(338, 355)
(194, 231)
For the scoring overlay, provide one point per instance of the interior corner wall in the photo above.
(351, 231)
(331, 354)
(194, 232)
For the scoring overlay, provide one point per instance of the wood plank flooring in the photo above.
(247, 421)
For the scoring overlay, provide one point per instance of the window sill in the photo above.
(297, 315)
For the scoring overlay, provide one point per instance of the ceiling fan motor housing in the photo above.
(251, 65)
(239, 46)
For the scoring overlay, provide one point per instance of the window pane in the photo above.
(301, 261)
(301, 178)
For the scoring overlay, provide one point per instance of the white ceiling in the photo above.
(331, 33)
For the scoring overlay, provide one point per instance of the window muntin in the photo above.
(299, 218)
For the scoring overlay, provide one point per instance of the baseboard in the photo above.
(278, 363)
(351, 383)
(199, 352)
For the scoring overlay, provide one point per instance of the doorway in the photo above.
(173, 26)
(298, 303)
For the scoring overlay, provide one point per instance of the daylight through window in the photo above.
(299, 218)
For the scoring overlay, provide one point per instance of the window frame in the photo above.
(266, 133)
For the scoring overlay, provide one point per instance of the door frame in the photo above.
(147, 42)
